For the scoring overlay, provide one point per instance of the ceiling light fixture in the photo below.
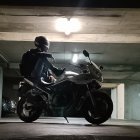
(68, 25)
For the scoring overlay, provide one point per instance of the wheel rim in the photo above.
(27, 109)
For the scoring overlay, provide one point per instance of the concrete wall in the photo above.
(10, 88)
(1, 89)
(132, 101)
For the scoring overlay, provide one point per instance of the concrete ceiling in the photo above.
(112, 36)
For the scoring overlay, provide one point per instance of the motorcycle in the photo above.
(74, 95)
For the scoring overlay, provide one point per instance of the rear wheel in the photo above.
(104, 108)
(29, 110)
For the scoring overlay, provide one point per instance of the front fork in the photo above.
(92, 99)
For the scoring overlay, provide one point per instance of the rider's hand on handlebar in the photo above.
(52, 79)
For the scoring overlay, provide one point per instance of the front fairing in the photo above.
(92, 73)
(81, 78)
(95, 72)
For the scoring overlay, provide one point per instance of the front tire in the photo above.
(29, 110)
(104, 109)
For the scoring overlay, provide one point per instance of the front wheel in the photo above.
(29, 110)
(104, 108)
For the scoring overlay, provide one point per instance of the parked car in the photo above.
(8, 106)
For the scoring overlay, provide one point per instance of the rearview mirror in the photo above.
(85, 53)
(101, 67)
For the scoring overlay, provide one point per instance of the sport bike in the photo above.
(73, 95)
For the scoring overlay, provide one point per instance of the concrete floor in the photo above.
(59, 129)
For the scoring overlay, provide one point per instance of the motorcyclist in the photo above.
(43, 70)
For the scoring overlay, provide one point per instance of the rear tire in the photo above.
(29, 110)
(104, 108)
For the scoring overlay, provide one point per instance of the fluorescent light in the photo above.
(61, 24)
(68, 25)
(75, 58)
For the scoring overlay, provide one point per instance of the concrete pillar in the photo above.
(120, 90)
(1, 87)
(114, 99)
(117, 95)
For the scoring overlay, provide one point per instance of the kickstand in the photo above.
(66, 119)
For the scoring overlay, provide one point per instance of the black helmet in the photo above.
(42, 43)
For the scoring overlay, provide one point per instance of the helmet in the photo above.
(42, 43)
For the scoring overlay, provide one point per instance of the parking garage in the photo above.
(110, 34)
